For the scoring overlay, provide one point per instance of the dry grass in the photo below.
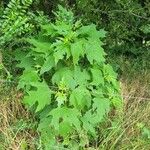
(127, 135)
(14, 132)
(136, 93)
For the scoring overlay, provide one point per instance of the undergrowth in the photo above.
(68, 96)
(17, 125)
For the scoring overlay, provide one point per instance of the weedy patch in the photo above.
(17, 127)
(131, 131)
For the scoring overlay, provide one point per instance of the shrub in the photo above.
(67, 81)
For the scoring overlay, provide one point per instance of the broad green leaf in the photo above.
(80, 97)
(98, 92)
(65, 129)
(27, 78)
(67, 115)
(92, 32)
(26, 63)
(101, 106)
(64, 75)
(108, 70)
(42, 96)
(19, 54)
(62, 28)
(46, 133)
(97, 77)
(111, 76)
(94, 52)
(84, 30)
(59, 55)
(81, 77)
(110, 90)
(48, 64)
(60, 50)
(77, 51)
(38, 60)
(44, 124)
(64, 16)
(88, 123)
(40, 46)
(57, 77)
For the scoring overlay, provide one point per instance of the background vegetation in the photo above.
(127, 23)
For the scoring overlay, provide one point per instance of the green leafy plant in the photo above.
(15, 20)
(67, 81)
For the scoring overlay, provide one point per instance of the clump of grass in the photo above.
(15, 122)
(132, 130)
(136, 93)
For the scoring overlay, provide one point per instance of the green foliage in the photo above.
(67, 81)
(15, 20)
(65, 77)
(122, 19)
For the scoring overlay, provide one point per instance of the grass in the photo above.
(15, 123)
(136, 93)
(130, 132)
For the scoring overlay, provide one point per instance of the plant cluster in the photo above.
(67, 81)
(15, 20)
